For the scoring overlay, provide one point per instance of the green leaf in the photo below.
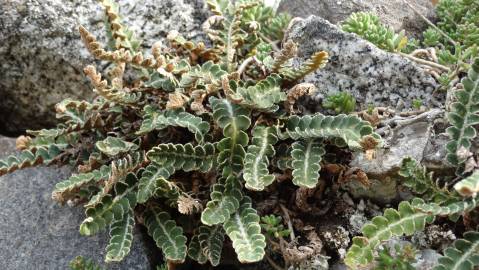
(234, 120)
(404, 221)
(167, 235)
(206, 76)
(244, 230)
(184, 156)
(121, 237)
(255, 172)
(463, 117)
(211, 241)
(112, 146)
(29, 158)
(151, 179)
(306, 163)
(463, 255)
(155, 119)
(225, 200)
(195, 251)
(67, 189)
(109, 208)
(265, 95)
(345, 129)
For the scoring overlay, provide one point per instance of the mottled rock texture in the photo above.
(43, 57)
(370, 74)
(37, 233)
(391, 12)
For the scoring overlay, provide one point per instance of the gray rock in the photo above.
(36, 233)
(392, 12)
(371, 75)
(413, 137)
(43, 56)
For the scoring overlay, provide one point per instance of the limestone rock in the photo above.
(370, 74)
(392, 12)
(43, 56)
(37, 233)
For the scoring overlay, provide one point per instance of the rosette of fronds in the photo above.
(195, 133)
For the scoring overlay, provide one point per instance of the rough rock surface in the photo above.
(413, 137)
(43, 57)
(370, 74)
(37, 233)
(392, 12)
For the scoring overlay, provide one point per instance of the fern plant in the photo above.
(193, 112)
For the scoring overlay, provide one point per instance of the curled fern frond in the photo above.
(121, 238)
(288, 52)
(207, 76)
(244, 230)
(404, 221)
(463, 117)
(225, 200)
(119, 96)
(256, 162)
(167, 235)
(306, 163)
(469, 186)
(345, 129)
(155, 119)
(184, 156)
(112, 146)
(265, 95)
(463, 255)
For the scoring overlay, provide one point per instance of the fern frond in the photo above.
(225, 200)
(317, 61)
(345, 129)
(195, 251)
(244, 230)
(119, 96)
(288, 52)
(422, 183)
(111, 208)
(207, 245)
(207, 76)
(265, 95)
(211, 241)
(463, 116)
(67, 189)
(306, 163)
(167, 235)
(150, 179)
(184, 156)
(256, 162)
(234, 120)
(464, 254)
(120, 35)
(112, 146)
(404, 221)
(29, 158)
(451, 209)
(121, 238)
(155, 119)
